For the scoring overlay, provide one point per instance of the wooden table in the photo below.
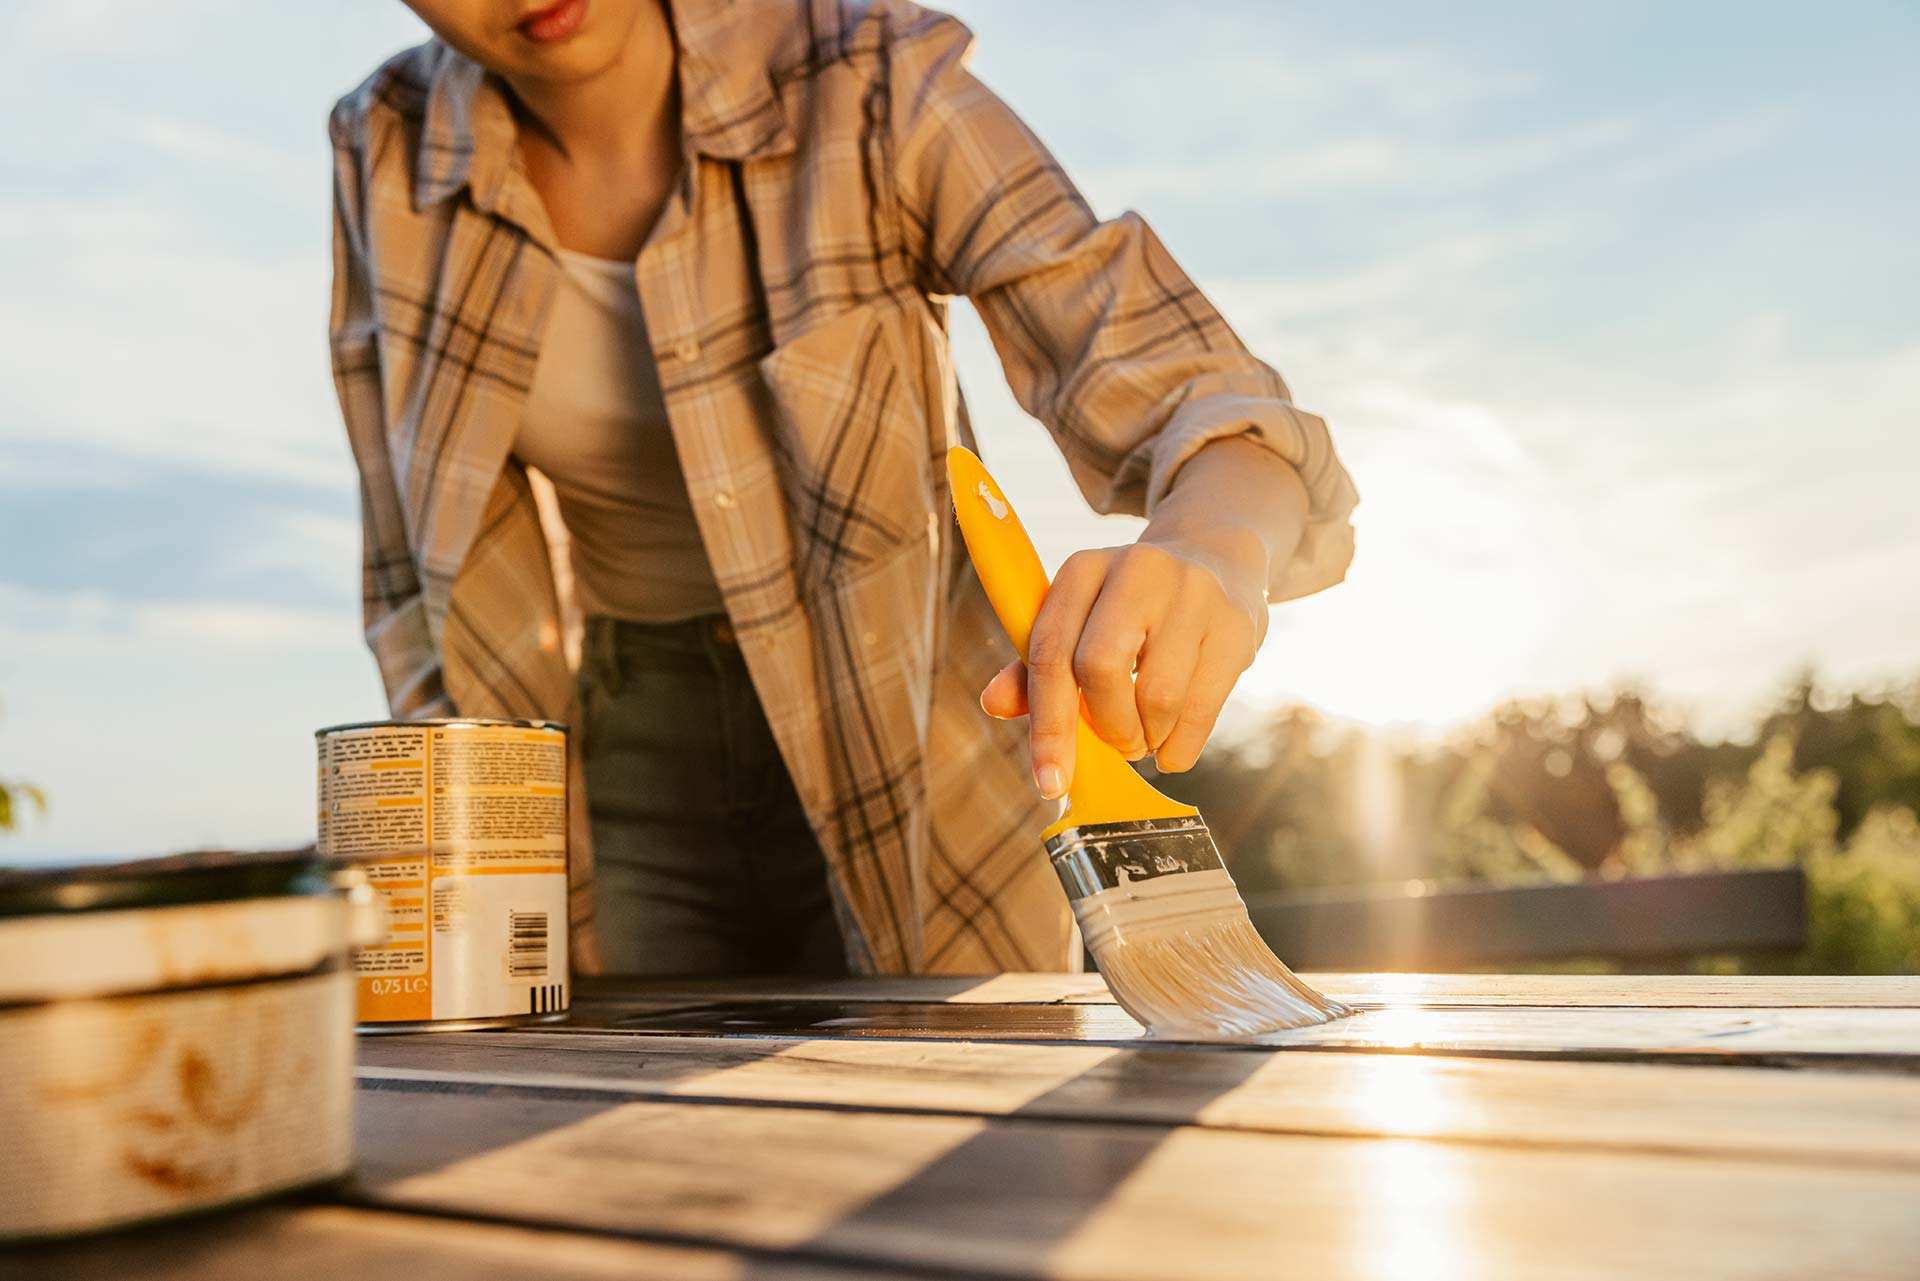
(1459, 1126)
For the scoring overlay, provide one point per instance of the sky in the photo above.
(1609, 305)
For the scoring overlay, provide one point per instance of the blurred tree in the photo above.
(1614, 785)
(1865, 899)
(14, 795)
(1273, 801)
(1871, 742)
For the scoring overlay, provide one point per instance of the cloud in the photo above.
(167, 725)
(321, 547)
(35, 625)
(1378, 287)
(166, 234)
(1708, 537)
(1262, 167)
(193, 357)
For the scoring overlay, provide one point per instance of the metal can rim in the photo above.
(207, 876)
(471, 722)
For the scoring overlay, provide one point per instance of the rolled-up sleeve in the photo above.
(1102, 336)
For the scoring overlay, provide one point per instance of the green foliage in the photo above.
(1866, 899)
(1863, 891)
(1611, 787)
(12, 795)
(1772, 817)
(1872, 742)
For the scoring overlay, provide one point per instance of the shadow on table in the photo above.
(1025, 1184)
(415, 1139)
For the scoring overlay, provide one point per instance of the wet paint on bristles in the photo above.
(1171, 935)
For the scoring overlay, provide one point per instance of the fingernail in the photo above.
(1052, 780)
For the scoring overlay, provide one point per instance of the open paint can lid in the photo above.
(168, 924)
(210, 877)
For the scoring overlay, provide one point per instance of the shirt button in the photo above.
(687, 349)
(870, 638)
(723, 498)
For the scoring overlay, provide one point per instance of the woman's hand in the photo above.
(1154, 635)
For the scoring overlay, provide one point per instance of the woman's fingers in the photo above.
(1103, 663)
(1166, 670)
(1146, 641)
(1214, 676)
(1053, 697)
(1145, 606)
(1005, 696)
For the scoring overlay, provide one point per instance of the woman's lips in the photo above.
(555, 22)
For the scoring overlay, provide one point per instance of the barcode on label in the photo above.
(526, 945)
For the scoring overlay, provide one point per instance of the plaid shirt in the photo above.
(845, 175)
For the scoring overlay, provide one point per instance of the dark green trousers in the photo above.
(704, 862)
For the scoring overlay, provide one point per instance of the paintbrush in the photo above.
(1159, 912)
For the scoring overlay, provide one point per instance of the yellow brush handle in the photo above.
(1105, 788)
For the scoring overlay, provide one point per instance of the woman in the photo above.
(639, 311)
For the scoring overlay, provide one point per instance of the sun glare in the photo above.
(1392, 652)
(1395, 1094)
(1414, 1195)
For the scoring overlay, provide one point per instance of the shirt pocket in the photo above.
(853, 442)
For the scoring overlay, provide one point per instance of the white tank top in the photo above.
(596, 425)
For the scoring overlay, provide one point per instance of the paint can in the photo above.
(176, 1034)
(460, 827)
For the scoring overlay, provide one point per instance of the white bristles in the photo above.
(1181, 955)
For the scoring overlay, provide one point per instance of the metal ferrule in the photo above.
(1106, 856)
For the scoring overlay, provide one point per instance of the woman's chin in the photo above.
(566, 62)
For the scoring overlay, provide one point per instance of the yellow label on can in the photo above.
(461, 828)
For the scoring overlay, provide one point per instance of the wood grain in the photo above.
(374, 1245)
(1661, 991)
(1885, 1038)
(1832, 1117)
(1893, 991)
(1881, 1038)
(984, 989)
(1462, 1126)
(1018, 1197)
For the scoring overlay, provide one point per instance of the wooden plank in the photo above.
(375, 1245)
(1713, 991)
(1418, 927)
(1884, 1038)
(977, 989)
(1014, 1197)
(1854, 991)
(1834, 1117)
(753, 1015)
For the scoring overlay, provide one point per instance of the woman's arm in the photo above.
(394, 614)
(1154, 401)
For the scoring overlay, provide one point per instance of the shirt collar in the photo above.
(731, 53)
